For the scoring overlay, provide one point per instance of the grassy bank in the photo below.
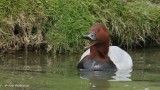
(59, 24)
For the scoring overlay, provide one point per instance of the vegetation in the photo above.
(59, 24)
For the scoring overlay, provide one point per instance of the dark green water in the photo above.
(32, 71)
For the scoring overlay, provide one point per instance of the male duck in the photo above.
(101, 56)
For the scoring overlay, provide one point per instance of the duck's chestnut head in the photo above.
(98, 34)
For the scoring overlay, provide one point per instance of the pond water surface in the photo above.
(42, 71)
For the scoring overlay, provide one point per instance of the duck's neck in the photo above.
(99, 52)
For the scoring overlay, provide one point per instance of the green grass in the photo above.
(61, 23)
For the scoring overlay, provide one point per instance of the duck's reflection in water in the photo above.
(99, 84)
(99, 80)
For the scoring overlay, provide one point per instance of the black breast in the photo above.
(96, 65)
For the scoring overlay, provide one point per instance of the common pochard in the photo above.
(100, 55)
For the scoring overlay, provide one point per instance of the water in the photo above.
(33, 71)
